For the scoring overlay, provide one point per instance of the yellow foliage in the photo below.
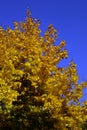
(30, 80)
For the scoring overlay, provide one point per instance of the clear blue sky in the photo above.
(69, 17)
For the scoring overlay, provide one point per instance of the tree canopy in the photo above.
(35, 93)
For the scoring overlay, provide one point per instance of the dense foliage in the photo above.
(36, 94)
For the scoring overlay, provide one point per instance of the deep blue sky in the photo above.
(69, 17)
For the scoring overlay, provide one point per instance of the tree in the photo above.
(35, 93)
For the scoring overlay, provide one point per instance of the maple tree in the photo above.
(34, 92)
